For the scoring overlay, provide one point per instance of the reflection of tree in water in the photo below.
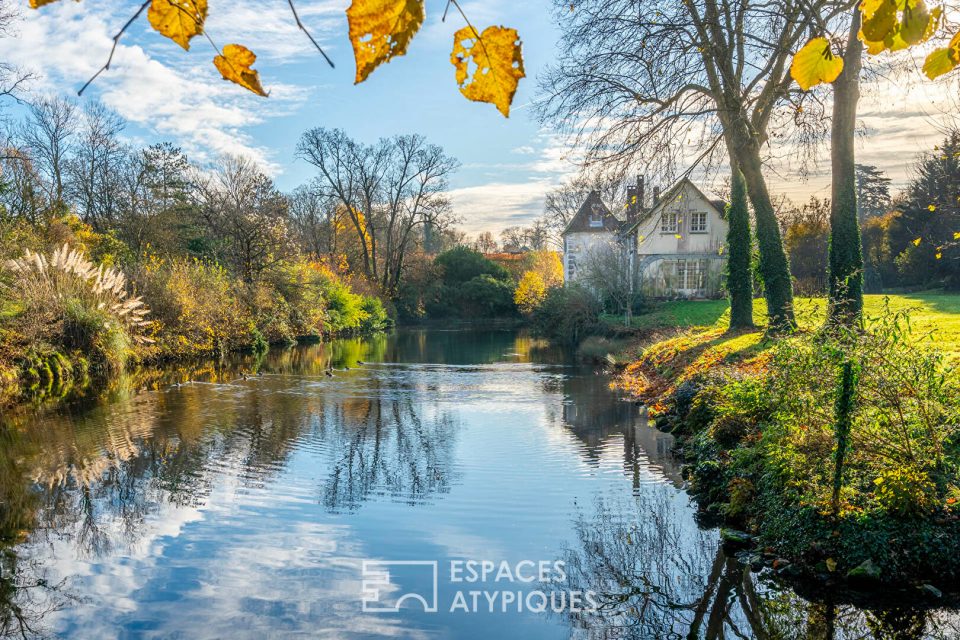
(657, 576)
(384, 444)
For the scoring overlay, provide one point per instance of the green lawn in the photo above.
(931, 311)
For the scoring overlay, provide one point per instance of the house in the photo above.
(672, 248)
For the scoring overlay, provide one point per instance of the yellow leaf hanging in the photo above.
(815, 64)
(178, 20)
(497, 59)
(235, 65)
(956, 235)
(943, 60)
(36, 4)
(381, 30)
(931, 207)
(938, 63)
(916, 242)
(879, 20)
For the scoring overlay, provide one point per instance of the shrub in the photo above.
(196, 307)
(376, 318)
(67, 302)
(567, 315)
(461, 265)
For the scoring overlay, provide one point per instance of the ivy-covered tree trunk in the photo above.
(846, 249)
(739, 251)
(774, 266)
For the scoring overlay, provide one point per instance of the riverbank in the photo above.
(757, 421)
(78, 309)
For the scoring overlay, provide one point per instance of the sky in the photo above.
(508, 165)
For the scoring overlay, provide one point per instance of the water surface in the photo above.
(244, 501)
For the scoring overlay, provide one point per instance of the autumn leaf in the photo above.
(36, 4)
(815, 64)
(178, 20)
(879, 20)
(931, 207)
(917, 241)
(943, 60)
(497, 61)
(235, 65)
(381, 30)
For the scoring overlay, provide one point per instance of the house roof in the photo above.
(668, 197)
(592, 206)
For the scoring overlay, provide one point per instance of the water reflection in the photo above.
(658, 576)
(246, 494)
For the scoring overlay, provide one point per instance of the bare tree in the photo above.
(93, 167)
(390, 190)
(605, 270)
(513, 238)
(314, 216)
(640, 83)
(49, 133)
(246, 214)
(485, 243)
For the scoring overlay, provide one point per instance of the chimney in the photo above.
(631, 201)
(640, 194)
(656, 195)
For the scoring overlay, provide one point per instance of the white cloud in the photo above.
(169, 92)
(496, 205)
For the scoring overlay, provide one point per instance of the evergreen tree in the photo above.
(873, 191)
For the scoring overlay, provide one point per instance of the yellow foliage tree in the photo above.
(530, 292)
(544, 272)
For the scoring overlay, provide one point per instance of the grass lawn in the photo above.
(932, 312)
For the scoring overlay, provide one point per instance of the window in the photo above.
(698, 222)
(690, 274)
(668, 222)
(571, 269)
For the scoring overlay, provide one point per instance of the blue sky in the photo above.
(165, 93)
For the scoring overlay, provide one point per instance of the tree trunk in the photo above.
(774, 267)
(846, 249)
(739, 248)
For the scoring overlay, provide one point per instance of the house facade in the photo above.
(671, 247)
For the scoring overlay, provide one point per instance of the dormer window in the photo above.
(596, 217)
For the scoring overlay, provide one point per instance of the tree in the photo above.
(92, 169)
(605, 270)
(543, 271)
(513, 239)
(389, 191)
(875, 26)
(485, 243)
(246, 215)
(49, 133)
(873, 191)
(845, 278)
(740, 252)
(638, 83)
(807, 239)
(315, 218)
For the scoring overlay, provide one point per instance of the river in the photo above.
(434, 484)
